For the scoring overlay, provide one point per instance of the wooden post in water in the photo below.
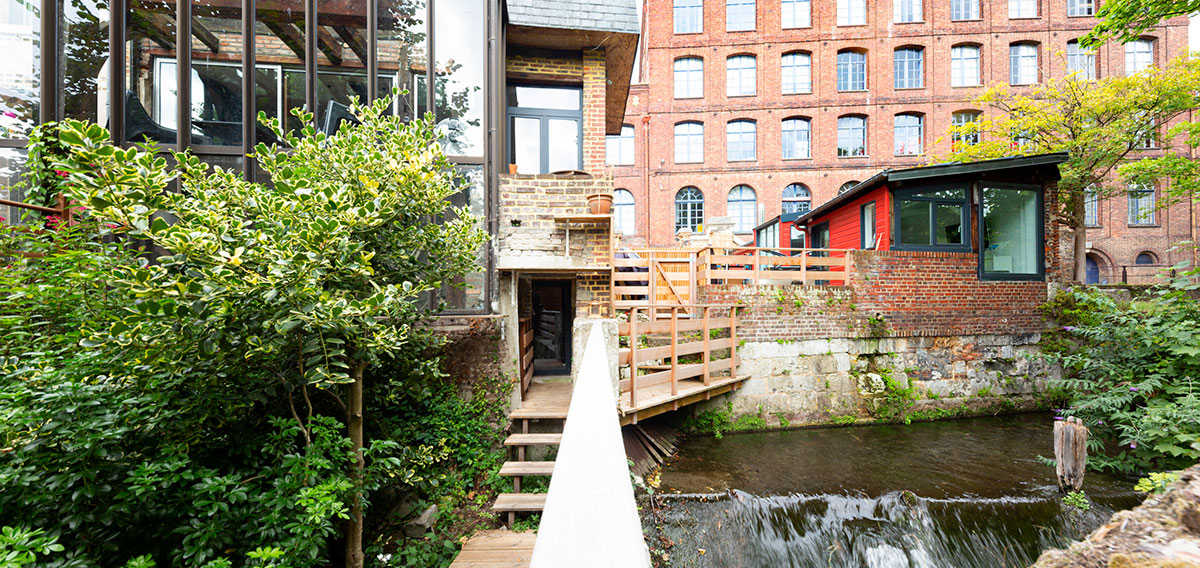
(1070, 453)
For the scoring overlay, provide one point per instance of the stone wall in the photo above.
(530, 238)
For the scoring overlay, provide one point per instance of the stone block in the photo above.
(813, 346)
(754, 386)
(825, 364)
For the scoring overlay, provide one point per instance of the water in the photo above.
(961, 494)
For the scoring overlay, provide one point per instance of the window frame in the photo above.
(906, 194)
(1040, 249)
(675, 140)
(853, 8)
(622, 140)
(920, 126)
(784, 72)
(738, 217)
(958, 65)
(631, 205)
(692, 208)
(740, 73)
(795, 197)
(863, 120)
(689, 75)
(1136, 55)
(1081, 54)
(903, 6)
(975, 13)
(956, 137)
(784, 24)
(1073, 6)
(1091, 207)
(783, 132)
(1142, 190)
(1014, 60)
(737, 5)
(850, 73)
(862, 226)
(905, 67)
(753, 137)
(678, 6)
(544, 115)
(1019, 14)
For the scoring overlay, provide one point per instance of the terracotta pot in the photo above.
(600, 203)
(512, 169)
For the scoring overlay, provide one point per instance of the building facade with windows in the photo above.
(774, 99)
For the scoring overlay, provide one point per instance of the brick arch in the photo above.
(1104, 262)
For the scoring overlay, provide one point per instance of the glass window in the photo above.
(689, 209)
(619, 147)
(909, 134)
(1081, 61)
(403, 57)
(1023, 64)
(1022, 9)
(795, 13)
(743, 207)
(341, 63)
(851, 12)
(932, 219)
(796, 198)
(1091, 207)
(851, 71)
(689, 78)
(84, 64)
(216, 100)
(909, 68)
(1149, 131)
(847, 186)
(740, 140)
(689, 142)
(1144, 258)
(689, 16)
(866, 219)
(21, 78)
(964, 9)
(796, 139)
(852, 136)
(1141, 205)
(739, 15)
(796, 73)
(740, 75)
(1139, 55)
(152, 32)
(461, 54)
(964, 66)
(1011, 222)
(905, 11)
(1081, 8)
(545, 128)
(966, 127)
(12, 171)
(470, 291)
(623, 212)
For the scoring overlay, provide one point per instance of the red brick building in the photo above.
(885, 78)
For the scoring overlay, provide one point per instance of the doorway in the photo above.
(553, 318)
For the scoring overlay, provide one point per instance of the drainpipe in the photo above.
(646, 172)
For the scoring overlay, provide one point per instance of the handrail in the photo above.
(662, 361)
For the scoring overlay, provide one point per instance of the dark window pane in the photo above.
(403, 55)
(1010, 219)
(279, 41)
(948, 226)
(914, 223)
(83, 60)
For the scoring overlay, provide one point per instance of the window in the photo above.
(689, 16)
(739, 15)
(796, 198)
(619, 148)
(1092, 272)
(964, 9)
(852, 136)
(1023, 64)
(689, 78)
(1149, 132)
(1145, 258)
(689, 142)
(768, 237)
(1022, 9)
(906, 11)
(795, 13)
(851, 12)
(623, 212)
(847, 186)
(1141, 205)
(1091, 207)
(689, 209)
(966, 129)
(797, 140)
(964, 66)
(740, 75)
(743, 207)
(866, 223)
(1010, 226)
(1139, 55)
(851, 71)
(931, 219)
(740, 138)
(1081, 61)
(796, 73)
(909, 64)
(909, 133)
(545, 128)
(1081, 8)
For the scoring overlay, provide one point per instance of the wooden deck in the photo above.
(496, 549)
(545, 400)
(657, 399)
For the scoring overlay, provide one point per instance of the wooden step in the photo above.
(522, 468)
(520, 502)
(533, 440)
(539, 414)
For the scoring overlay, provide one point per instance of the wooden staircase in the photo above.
(544, 402)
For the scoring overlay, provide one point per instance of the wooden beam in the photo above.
(354, 41)
(329, 45)
(158, 27)
(206, 37)
(289, 34)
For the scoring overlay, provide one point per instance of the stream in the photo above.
(956, 494)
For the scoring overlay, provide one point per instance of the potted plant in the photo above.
(600, 203)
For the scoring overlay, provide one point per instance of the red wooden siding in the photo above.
(844, 223)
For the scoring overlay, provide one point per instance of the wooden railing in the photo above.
(62, 210)
(525, 340)
(713, 330)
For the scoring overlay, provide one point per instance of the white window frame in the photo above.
(960, 118)
(964, 10)
(908, 69)
(907, 11)
(1139, 56)
(1023, 64)
(795, 14)
(624, 212)
(903, 134)
(739, 76)
(735, 15)
(689, 74)
(800, 132)
(795, 73)
(853, 69)
(964, 66)
(1142, 207)
(1081, 8)
(618, 148)
(851, 12)
(689, 143)
(740, 134)
(1081, 61)
(848, 125)
(743, 211)
(1022, 9)
(688, 11)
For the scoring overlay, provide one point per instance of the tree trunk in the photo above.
(1079, 230)
(354, 423)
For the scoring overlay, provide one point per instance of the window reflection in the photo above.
(84, 60)
(402, 55)
(20, 78)
(458, 91)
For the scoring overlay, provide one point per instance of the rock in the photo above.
(417, 527)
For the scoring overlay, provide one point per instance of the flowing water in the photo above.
(954, 494)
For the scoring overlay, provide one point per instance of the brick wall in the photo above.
(542, 66)
(594, 86)
(528, 205)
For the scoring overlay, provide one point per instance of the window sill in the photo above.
(804, 159)
(862, 25)
(729, 96)
(690, 33)
(965, 86)
(808, 27)
(728, 31)
(908, 155)
(853, 91)
(912, 22)
(1025, 18)
(1145, 226)
(853, 157)
(967, 20)
(921, 88)
(796, 93)
(1082, 16)
(742, 161)
(701, 97)
(688, 163)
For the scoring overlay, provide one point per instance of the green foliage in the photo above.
(1077, 500)
(1127, 20)
(877, 327)
(844, 419)
(896, 400)
(1156, 482)
(718, 422)
(21, 546)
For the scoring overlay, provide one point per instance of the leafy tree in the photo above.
(1101, 124)
(1127, 20)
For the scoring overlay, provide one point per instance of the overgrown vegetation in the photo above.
(718, 422)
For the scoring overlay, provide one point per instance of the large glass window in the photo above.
(851, 70)
(623, 220)
(966, 128)
(403, 58)
(21, 78)
(906, 11)
(740, 75)
(851, 12)
(796, 139)
(740, 140)
(619, 147)
(739, 15)
(1081, 8)
(866, 223)
(910, 68)
(796, 198)
(852, 136)
(795, 73)
(1081, 61)
(12, 171)
(964, 66)
(743, 208)
(1141, 205)
(689, 78)
(1139, 55)
(689, 142)
(1022, 9)
(964, 9)
(152, 38)
(931, 219)
(1023, 64)
(459, 45)
(1091, 207)
(545, 128)
(795, 13)
(689, 209)
(689, 16)
(909, 134)
(84, 66)
(1010, 223)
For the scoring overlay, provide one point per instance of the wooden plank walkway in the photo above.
(545, 400)
(657, 399)
(496, 549)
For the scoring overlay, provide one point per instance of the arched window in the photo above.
(1141, 204)
(847, 186)
(689, 78)
(964, 66)
(797, 139)
(1023, 64)
(1145, 258)
(795, 73)
(796, 198)
(909, 133)
(740, 140)
(1092, 274)
(623, 212)
(852, 136)
(1139, 55)
(909, 68)
(740, 73)
(962, 133)
(743, 207)
(689, 142)
(1081, 61)
(851, 70)
(689, 209)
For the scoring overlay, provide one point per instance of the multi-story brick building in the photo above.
(747, 109)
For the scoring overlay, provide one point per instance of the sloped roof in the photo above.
(618, 16)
